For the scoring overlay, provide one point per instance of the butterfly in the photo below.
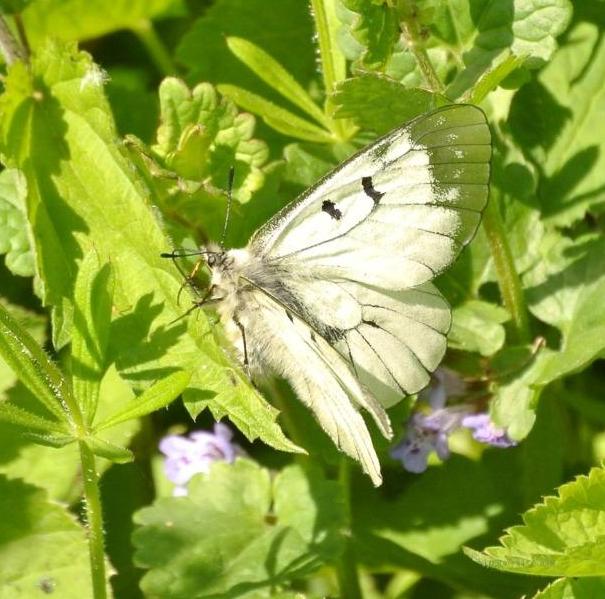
(335, 294)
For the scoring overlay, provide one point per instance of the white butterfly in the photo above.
(334, 293)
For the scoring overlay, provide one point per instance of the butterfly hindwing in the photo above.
(318, 374)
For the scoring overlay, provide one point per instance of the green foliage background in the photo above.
(119, 122)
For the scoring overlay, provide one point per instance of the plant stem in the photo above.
(334, 66)
(155, 47)
(346, 568)
(412, 33)
(94, 520)
(9, 47)
(508, 279)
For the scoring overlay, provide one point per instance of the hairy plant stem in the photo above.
(155, 47)
(411, 31)
(346, 567)
(9, 47)
(94, 521)
(508, 279)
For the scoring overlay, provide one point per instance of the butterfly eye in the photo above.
(211, 260)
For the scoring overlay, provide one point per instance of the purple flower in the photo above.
(426, 433)
(485, 431)
(186, 456)
(444, 383)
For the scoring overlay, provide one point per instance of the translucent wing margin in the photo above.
(397, 213)
(319, 375)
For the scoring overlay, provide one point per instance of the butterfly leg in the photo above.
(188, 280)
(240, 326)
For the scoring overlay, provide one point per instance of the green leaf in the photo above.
(90, 333)
(71, 20)
(570, 588)
(375, 26)
(565, 289)
(42, 548)
(276, 117)
(421, 522)
(492, 78)
(35, 324)
(201, 137)
(477, 327)
(557, 120)
(156, 397)
(56, 470)
(286, 25)
(515, 396)
(14, 228)
(379, 104)
(401, 64)
(236, 529)
(47, 118)
(31, 364)
(10, 7)
(486, 31)
(30, 422)
(109, 451)
(274, 74)
(563, 536)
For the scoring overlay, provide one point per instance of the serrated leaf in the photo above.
(573, 588)
(274, 74)
(485, 31)
(35, 324)
(477, 327)
(563, 536)
(379, 104)
(157, 396)
(565, 289)
(219, 536)
(99, 192)
(109, 451)
(422, 521)
(200, 138)
(30, 422)
(90, 333)
(71, 20)
(375, 27)
(42, 548)
(32, 366)
(14, 228)
(557, 119)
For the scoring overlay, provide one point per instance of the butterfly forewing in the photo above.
(396, 214)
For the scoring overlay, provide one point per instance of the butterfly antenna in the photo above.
(229, 202)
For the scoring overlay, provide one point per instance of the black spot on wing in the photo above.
(368, 188)
(330, 208)
(290, 318)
